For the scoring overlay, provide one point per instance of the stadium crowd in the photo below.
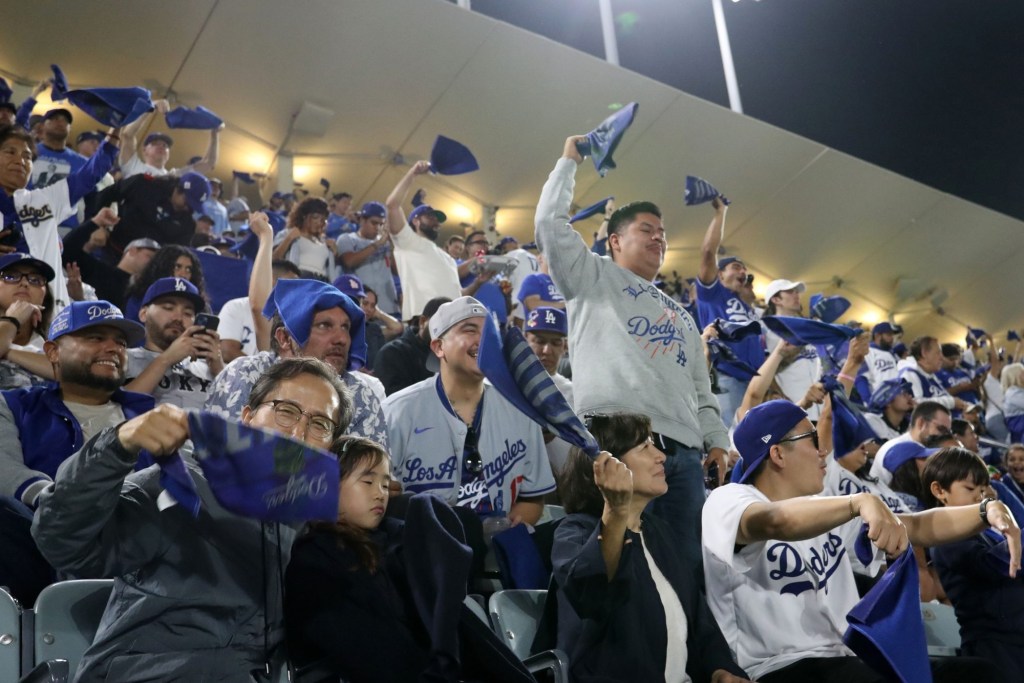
(743, 450)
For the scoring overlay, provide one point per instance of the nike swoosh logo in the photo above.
(420, 430)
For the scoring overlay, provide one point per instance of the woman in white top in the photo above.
(630, 607)
(303, 242)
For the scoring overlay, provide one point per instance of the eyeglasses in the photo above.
(288, 414)
(812, 435)
(473, 463)
(34, 279)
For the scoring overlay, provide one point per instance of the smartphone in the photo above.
(208, 321)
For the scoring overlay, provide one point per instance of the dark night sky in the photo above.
(930, 89)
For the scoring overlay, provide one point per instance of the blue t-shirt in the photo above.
(489, 295)
(717, 301)
(541, 285)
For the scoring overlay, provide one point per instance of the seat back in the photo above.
(10, 637)
(941, 629)
(516, 615)
(67, 615)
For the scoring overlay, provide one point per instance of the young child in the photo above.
(989, 604)
(349, 607)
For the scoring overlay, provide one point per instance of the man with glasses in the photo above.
(930, 418)
(308, 319)
(366, 254)
(779, 558)
(195, 597)
(458, 438)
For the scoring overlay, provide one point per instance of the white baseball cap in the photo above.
(776, 286)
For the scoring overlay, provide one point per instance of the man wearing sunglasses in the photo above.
(458, 438)
(779, 559)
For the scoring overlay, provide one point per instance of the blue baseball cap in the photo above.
(547, 319)
(723, 262)
(904, 451)
(426, 208)
(351, 286)
(507, 240)
(174, 286)
(887, 391)
(883, 328)
(158, 137)
(196, 188)
(763, 427)
(373, 210)
(89, 135)
(79, 315)
(43, 267)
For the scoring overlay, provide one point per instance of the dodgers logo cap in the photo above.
(43, 267)
(763, 427)
(80, 315)
(350, 285)
(547, 319)
(174, 286)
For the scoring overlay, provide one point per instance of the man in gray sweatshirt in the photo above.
(634, 348)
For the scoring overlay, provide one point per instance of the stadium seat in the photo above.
(515, 616)
(10, 637)
(67, 615)
(941, 629)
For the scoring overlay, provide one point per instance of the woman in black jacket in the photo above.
(630, 606)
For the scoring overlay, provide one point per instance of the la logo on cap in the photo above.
(549, 317)
(766, 438)
(179, 285)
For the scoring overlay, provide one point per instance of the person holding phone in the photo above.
(181, 355)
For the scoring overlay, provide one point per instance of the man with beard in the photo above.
(308, 319)
(42, 426)
(179, 359)
(880, 363)
(426, 270)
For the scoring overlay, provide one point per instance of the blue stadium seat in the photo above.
(941, 629)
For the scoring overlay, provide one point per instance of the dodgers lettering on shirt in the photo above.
(662, 334)
(418, 476)
(793, 574)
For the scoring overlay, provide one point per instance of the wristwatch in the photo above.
(983, 510)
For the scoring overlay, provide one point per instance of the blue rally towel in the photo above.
(519, 560)
(226, 278)
(449, 157)
(828, 309)
(593, 209)
(264, 475)
(199, 118)
(724, 358)
(699, 191)
(849, 427)
(114, 107)
(602, 142)
(244, 177)
(734, 332)
(802, 331)
(886, 629)
(515, 371)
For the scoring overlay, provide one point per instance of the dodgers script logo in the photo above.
(297, 486)
(34, 216)
(814, 571)
(663, 334)
(473, 494)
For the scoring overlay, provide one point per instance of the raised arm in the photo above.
(396, 216)
(759, 384)
(708, 270)
(130, 134)
(209, 160)
(261, 280)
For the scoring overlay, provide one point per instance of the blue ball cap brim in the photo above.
(761, 428)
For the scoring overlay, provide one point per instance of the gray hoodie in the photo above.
(633, 348)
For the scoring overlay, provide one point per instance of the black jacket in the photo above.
(402, 362)
(615, 630)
